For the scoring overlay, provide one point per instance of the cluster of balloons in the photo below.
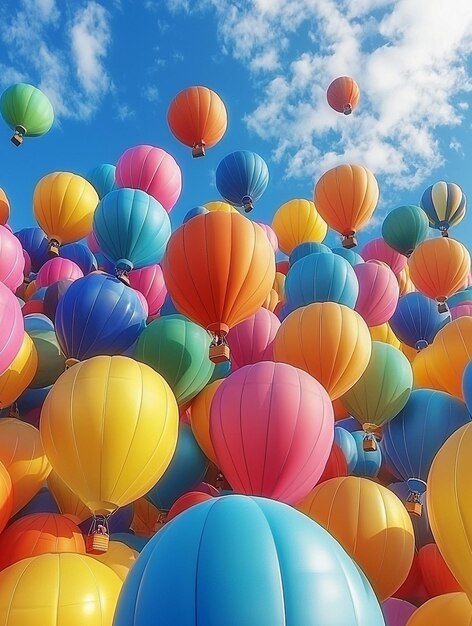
(231, 423)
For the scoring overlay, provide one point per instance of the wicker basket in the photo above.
(219, 354)
(415, 508)
(97, 543)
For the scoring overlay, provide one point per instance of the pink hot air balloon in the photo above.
(378, 250)
(57, 269)
(206, 488)
(251, 341)
(397, 612)
(12, 327)
(12, 261)
(272, 428)
(464, 309)
(153, 170)
(150, 282)
(378, 292)
(271, 236)
(27, 268)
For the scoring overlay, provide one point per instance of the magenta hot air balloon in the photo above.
(397, 612)
(464, 309)
(379, 250)
(271, 236)
(12, 327)
(252, 341)
(12, 260)
(57, 269)
(150, 282)
(272, 429)
(152, 170)
(378, 292)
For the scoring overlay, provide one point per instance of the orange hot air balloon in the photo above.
(271, 301)
(69, 504)
(424, 374)
(6, 497)
(200, 418)
(371, 524)
(343, 95)
(297, 221)
(197, 117)
(340, 411)
(147, 519)
(40, 533)
(4, 208)
(219, 268)
(346, 197)
(410, 353)
(450, 354)
(438, 268)
(329, 341)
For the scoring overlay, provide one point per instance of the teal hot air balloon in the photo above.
(27, 110)
(405, 228)
(178, 350)
(132, 229)
(445, 205)
(102, 177)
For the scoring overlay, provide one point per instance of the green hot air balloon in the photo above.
(381, 392)
(178, 350)
(27, 110)
(405, 227)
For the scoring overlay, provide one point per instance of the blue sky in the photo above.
(112, 68)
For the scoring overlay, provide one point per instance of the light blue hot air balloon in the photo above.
(306, 248)
(351, 257)
(241, 178)
(445, 205)
(197, 210)
(102, 177)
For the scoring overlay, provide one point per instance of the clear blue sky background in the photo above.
(111, 70)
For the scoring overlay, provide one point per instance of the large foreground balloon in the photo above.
(109, 428)
(241, 178)
(296, 222)
(278, 568)
(197, 117)
(445, 205)
(343, 95)
(27, 110)
(404, 228)
(272, 429)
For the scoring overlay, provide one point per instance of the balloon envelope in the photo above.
(242, 177)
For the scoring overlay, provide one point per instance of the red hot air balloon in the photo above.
(272, 429)
(343, 95)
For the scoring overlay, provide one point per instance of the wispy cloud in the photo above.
(125, 112)
(151, 93)
(410, 59)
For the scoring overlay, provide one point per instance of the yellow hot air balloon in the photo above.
(297, 221)
(451, 352)
(279, 285)
(271, 301)
(20, 373)
(146, 518)
(454, 609)
(384, 333)
(69, 504)
(450, 504)
(64, 205)
(22, 454)
(63, 589)
(329, 341)
(119, 557)
(371, 524)
(219, 205)
(109, 427)
(200, 418)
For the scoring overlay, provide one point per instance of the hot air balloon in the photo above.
(6, 497)
(272, 429)
(146, 518)
(437, 577)
(11, 327)
(198, 210)
(405, 228)
(189, 499)
(439, 268)
(198, 119)
(136, 413)
(252, 341)
(384, 332)
(241, 178)
(27, 110)
(81, 256)
(445, 205)
(219, 205)
(371, 524)
(4, 207)
(343, 95)
(119, 557)
(416, 320)
(379, 250)
(219, 269)
(64, 205)
(12, 260)
(378, 292)
(264, 587)
(413, 438)
(68, 503)
(35, 242)
(369, 462)
(347, 444)
(20, 373)
(200, 418)
(329, 341)
(102, 177)
(149, 281)
(132, 229)
(450, 354)
(351, 257)
(346, 198)
(296, 222)
(152, 170)
(51, 361)
(52, 296)
(397, 612)
(306, 248)
(452, 608)
(56, 269)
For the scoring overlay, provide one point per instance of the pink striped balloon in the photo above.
(397, 612)
(150, 282)
(271, 236)
(379, 250)
(272, 429)
(464, 309)
(12, 260)
(152, 170)
(57, 269)
(252, 341)
(12, 327)
(378, 292)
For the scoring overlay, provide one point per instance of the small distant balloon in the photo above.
(343, 95)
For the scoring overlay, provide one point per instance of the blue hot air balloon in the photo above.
(186, 470)
(416, 320)
(97, 315)
(445, 205)
(465, 295)
(198, 210)
(368, 462)
(414, 436)
(131, 228)
(276, 567)
(37, 322)
(241, 178)
(168, 308)
(35, 242)
(102, 177)
(104, 264)
(80, 255)
(347, 443)
(351, 257)
(306, 248)
(321, 278)
(42, 502)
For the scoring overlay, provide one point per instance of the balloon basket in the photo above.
(444, 233)
(124, 278)
(369, 445)
(219, 354)
(349, 241)
(198, 151)
(71, 362)
(97, 543)
(248, 208)
(54, 247)
(347, 109)
(17, 138)
(415, 508)
(442, 307)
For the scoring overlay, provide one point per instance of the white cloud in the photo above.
(124, 112)
(456, 145)
(151, 93)
(409, 58)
